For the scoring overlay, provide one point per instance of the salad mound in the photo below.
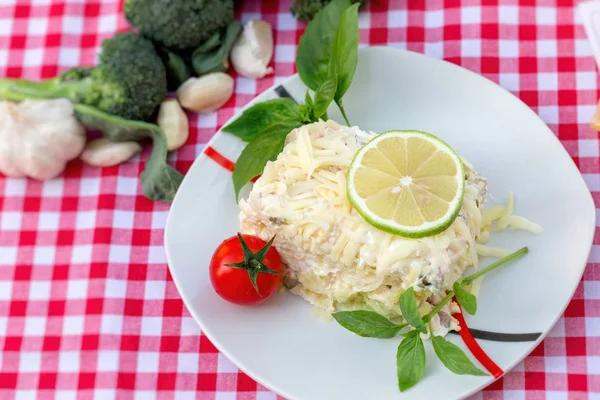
(333, 257)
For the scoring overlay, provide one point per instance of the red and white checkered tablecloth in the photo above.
(87, 306)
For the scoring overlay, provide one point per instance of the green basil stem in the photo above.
(437, 308)
(519, 253)
(404, 325)
(341, 107)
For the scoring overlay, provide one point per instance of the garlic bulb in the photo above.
(38, 138)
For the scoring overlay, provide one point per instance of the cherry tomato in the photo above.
(246, 270)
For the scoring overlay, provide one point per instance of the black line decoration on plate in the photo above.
(503, 337)
(282, 92)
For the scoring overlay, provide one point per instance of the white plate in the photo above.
(281, 345)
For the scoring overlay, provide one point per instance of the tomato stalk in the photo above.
(253, 262)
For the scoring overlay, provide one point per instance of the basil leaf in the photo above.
(159, 180)
(367, 324)
(466, 300)
(308, 100)
(344, 52)
(314, 49)
(410, 361)
(264, 148)
(324, 96)
(307, 109)
(410, 310)
(454, 358)
(282, 112)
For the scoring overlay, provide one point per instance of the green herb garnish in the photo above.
(326, 61)
(454, 358)
(410, 310)
(410, 358)
(367, 324)
(344, 55)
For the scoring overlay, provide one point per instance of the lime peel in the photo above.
(375, 184)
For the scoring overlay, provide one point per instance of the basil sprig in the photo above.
(345, 55)
(410, 360)
(410, 357)
(410, 310)
(326, 61)
(367, 324)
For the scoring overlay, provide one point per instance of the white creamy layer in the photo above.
(334, 258)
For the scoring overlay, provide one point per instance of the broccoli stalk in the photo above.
(179, 24)
(130, 80)
(159, 180)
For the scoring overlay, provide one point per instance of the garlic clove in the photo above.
(253, 50)
(207, 93)
(104, 153)
(174, 123)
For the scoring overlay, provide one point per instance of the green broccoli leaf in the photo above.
(212, 43)
(159, 180)
(206, 61)
(177, 69)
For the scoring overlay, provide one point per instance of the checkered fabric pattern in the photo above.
(87, 306)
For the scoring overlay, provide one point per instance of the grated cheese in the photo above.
(340, 261)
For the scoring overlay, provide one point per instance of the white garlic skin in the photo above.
(207, 93)
(104, 153)
(38, 138)
(252, 52)
(174, 123)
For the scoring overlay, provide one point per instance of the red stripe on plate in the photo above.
(222, 160)
(474, 347)
(219, 158)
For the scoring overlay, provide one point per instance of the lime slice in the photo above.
(408, 183)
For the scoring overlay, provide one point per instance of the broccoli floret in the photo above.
(179, 24)
(130, 80)
(305, 10)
